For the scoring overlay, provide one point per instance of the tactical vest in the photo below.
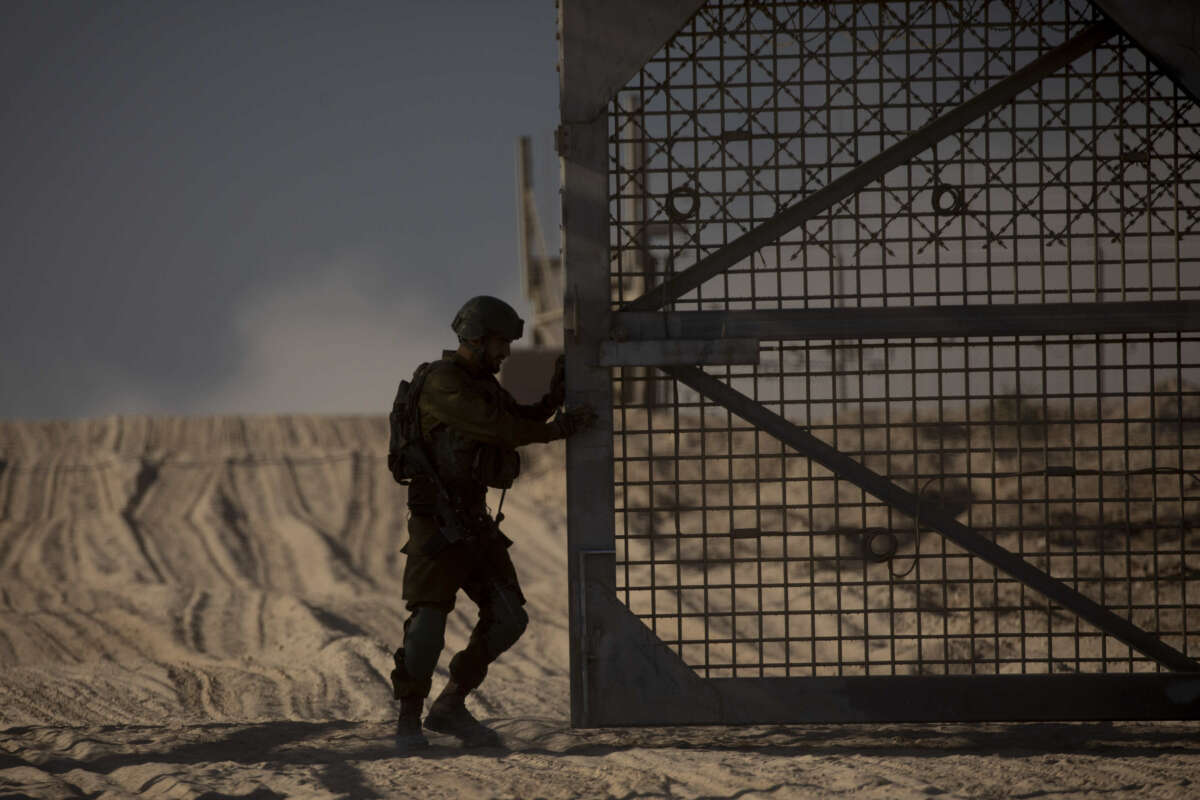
(467, 466)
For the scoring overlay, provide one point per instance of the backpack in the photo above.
(404, 423)
(407, 457)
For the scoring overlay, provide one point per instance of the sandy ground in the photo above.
(205, 608)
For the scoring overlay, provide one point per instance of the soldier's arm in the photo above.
(448, 398)
(541, 410)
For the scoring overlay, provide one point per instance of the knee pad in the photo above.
(505, 629)
(503, 623)
(424, 637)
(403, 683)
(468, 669)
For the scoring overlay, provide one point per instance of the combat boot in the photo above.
(409, 736)
(449, 714)
(411, 695)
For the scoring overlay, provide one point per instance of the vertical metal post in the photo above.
(583, 151)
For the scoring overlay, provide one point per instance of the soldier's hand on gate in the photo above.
(558, 384)
(572, 420)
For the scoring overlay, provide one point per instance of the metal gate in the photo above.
(892, 314)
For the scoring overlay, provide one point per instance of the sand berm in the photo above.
(206, 608)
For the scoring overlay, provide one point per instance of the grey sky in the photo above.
(257, 206)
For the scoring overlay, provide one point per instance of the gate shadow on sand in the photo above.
(107, 748)
(909, 740)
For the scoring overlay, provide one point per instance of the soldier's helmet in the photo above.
(484, 315)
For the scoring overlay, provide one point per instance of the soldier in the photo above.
(470, 427)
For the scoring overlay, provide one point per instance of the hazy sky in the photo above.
(255, 207)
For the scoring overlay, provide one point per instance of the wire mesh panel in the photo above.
(1078, 452)
(1082, 188)
(750, 560)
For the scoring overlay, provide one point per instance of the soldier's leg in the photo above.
(424, 637)
(502, 620)
(430, 586)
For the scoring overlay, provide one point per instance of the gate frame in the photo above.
(621, 673)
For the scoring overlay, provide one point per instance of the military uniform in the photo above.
(470, 428)
(470, 420)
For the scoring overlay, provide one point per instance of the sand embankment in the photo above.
(207, 607)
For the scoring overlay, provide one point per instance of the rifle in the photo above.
(456, 522)
(408, 458)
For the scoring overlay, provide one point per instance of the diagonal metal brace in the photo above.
(907, 148)
(965, 537)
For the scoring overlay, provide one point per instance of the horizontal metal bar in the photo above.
(1048, 319)
(932, 516)
(922, 698)
(665, 352)
(794, 215)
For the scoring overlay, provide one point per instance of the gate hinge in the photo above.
(562, 140)
(567, 142)
(580, 141)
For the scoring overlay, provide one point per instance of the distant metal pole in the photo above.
(524, 223)
(633, 215)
